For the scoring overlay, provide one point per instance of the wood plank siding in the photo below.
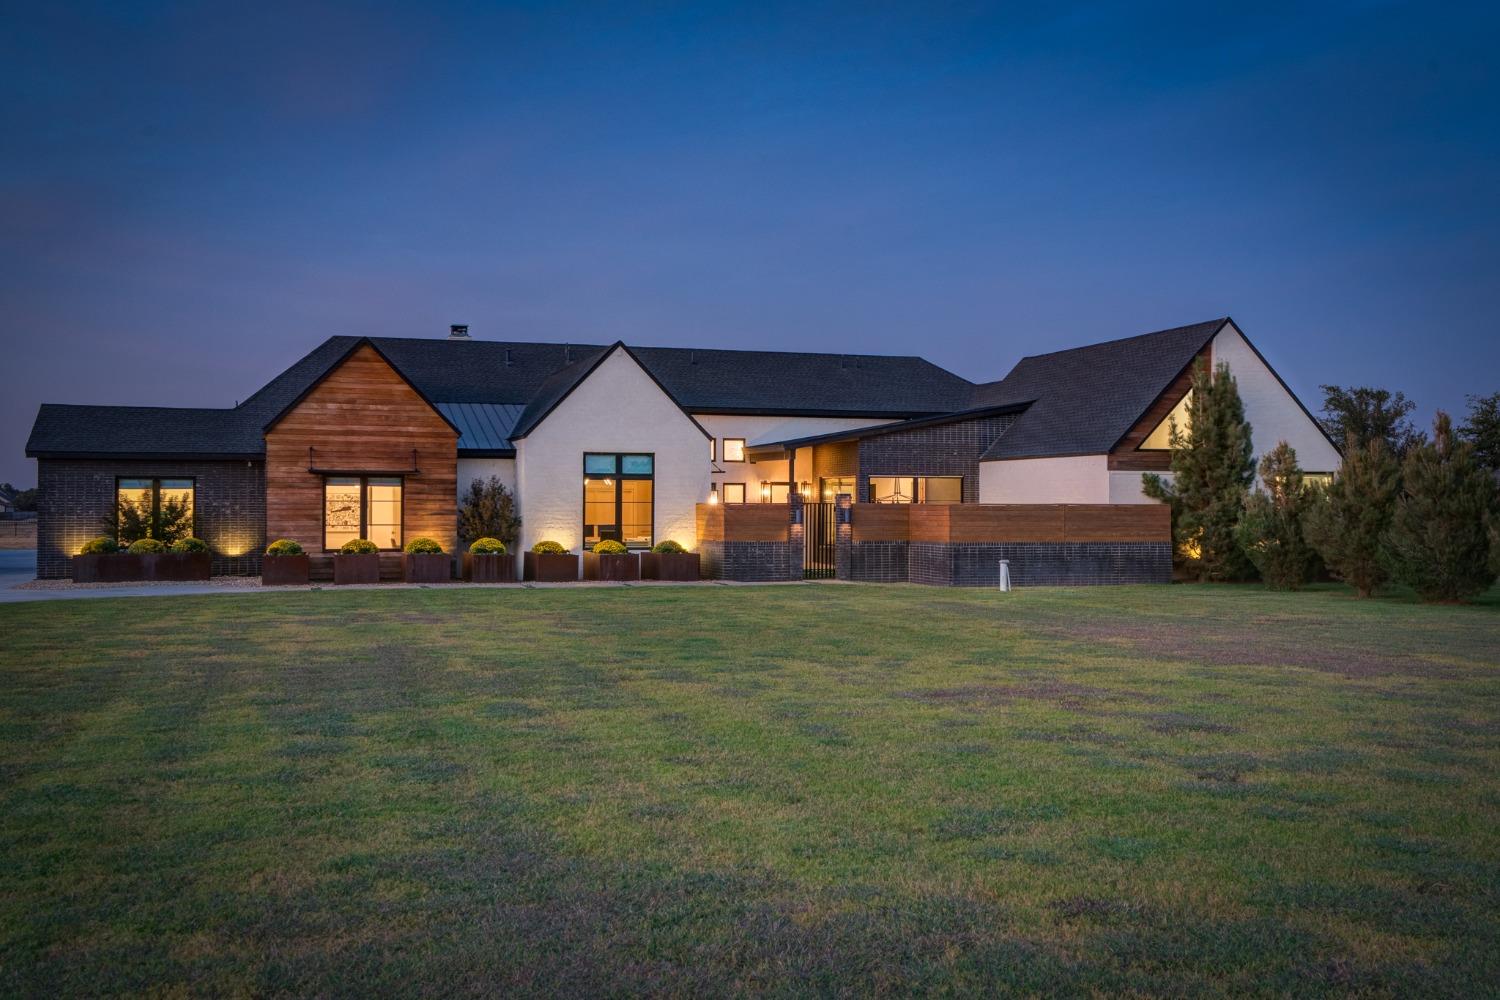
(979, 523)
(743, 522)
(880, 522)
(1126, 457)
(362, 418)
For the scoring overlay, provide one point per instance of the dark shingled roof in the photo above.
(1085, 399)
(143, 430)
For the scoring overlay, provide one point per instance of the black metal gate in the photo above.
(820, 534)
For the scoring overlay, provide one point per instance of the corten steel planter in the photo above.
(550, 567)
(492, 568)
(611, 566)
(285, 571)
(116, 568)
(178, 566)
(361, 568)
(426, 567)
(670, 566)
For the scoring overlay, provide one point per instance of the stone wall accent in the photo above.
(1040, 564)
(941, 450)
(76, 495)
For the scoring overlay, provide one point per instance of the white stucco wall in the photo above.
(1075, 479)
(765, 429)
(470, 469)
(1125, 487)
(618, 408)
(1273, 412)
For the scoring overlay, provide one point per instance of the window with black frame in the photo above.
(362, 507)
(154, 508)
(619, 499)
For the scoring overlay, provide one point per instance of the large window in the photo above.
(916, 489)
(619, 493)
(362, 507)
(154, 508)
(734, 492)
(734, 449)
(831, 488)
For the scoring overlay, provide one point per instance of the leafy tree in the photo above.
(489, 511)
(1439, 541)
(1270, 529)
(1482, 430)
(1366, 413)
(22, 499)
(1347, 522)
(130, 521)
(1212, 469)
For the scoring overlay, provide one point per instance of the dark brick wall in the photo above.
(75, 497)
(944, 450)
(757, 562)
(1040, 564)
(877, 562)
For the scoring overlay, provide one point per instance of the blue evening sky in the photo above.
(190, 199)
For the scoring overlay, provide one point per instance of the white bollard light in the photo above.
(1004, 576)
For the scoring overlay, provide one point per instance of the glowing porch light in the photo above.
(713, 494)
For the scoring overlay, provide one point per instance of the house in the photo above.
(377, 437)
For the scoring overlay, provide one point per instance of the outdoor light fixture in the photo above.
(713, 494)
(765, 492)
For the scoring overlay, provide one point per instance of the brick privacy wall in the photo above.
(1040, 564)
(877, 562)
(944, 450)
(751, 562)
(75, 497)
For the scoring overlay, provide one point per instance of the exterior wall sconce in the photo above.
(765, 492)
(713, 494)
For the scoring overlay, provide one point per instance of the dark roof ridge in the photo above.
(1218, 323)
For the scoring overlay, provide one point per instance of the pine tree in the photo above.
(1481, 429)
(1438, 542)
(1348, 521)
(1270, 529)
(1212, 469)
(1366, 413)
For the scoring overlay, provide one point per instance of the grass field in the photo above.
(823, 789)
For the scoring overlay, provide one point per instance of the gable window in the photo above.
(734, 492)
(362, 507)
(619, 492)
(916, 489)
(153, 508)
(1160, 439)
(734, 449)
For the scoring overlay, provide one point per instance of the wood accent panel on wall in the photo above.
(1138, 522)
(363, 417)
(881, 522)
(756, 522)
(710, 522)
(1126, 457)
(929, 522)
(1007, 522)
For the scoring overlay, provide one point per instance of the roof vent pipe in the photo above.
(458, 331)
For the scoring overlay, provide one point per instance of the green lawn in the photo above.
(821, 789)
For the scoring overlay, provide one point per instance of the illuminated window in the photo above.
(713, 450)
(619, 494)
(362, 507)
(916, 489)
(734, 449)
(153, 508)
(1160, 439)
(734, 492)
(775, 492)
(831, 488)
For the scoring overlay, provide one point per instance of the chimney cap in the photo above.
(458, 331)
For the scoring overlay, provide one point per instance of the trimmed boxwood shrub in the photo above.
(185, 545)
(101, 546)
(359, 547)
(668, 546)
(609, 547)
(549, 548)
(487, 547)
(284, 547)
(423, 546)
(147, 546)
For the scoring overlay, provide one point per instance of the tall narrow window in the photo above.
(619, 499)
(713, 450)
(362, 507)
